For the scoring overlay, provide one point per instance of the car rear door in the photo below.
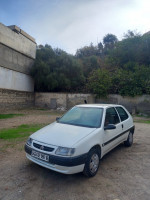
(111, 137)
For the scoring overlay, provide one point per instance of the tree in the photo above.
(87, 51)
(131, 50)
(109, 41)
(89, 64)
(131, 82)
(100, 48)
(99, 82)
(131, 34)
(55, 70)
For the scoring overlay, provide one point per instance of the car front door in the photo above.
(124, 121)
(111, 137)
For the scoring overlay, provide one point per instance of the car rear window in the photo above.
(122, 113)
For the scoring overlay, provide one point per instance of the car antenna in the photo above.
(85, 101)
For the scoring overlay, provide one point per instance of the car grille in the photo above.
(42, 147)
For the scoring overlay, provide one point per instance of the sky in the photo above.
(73, 24)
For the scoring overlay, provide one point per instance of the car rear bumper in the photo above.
(66, 165)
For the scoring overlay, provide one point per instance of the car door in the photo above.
(111, 137)
(124, 117)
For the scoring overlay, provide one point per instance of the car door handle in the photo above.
(122, 126)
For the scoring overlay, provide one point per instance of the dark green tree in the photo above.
(99, 82)
(109, 41)
(55, 70)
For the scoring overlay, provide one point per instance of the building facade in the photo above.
(17, 55)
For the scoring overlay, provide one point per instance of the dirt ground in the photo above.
(124, 173)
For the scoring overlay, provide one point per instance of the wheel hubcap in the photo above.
(94, 163)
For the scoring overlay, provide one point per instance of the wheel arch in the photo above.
(98, 147)
(132, 129)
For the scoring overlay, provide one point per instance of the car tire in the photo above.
(92, 163)
(129, 141)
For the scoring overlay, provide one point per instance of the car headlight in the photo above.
(29, 141)
(64, 151)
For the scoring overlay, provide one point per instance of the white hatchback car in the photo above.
(80, 138)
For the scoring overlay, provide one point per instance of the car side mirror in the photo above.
(110, 127)
(57, 118)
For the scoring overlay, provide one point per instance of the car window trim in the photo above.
(117, 114)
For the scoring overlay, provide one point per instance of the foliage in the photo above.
(133, 49)
(112, 66)
(99, 82)
(87, 51)
(109, 42)
(6, 116)
(55, 70)
(131, 83)
(89, 64)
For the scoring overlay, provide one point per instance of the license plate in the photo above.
(40, 156)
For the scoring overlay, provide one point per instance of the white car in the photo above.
(80, 138)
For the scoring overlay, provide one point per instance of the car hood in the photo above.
(64, 135)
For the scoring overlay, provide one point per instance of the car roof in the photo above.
(98, 105)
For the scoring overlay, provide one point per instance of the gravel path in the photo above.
(29, 117)
(124, 174)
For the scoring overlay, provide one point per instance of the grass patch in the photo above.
(19, 132)
(6, 116)
(142, 121)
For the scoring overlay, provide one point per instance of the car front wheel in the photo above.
(92, 163)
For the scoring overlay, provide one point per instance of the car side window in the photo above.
(122, 113)
(111, 116)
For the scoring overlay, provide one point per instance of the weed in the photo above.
(6, 116)
(21, 131)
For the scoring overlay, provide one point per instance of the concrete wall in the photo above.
(51, 100)
(17, 55)
(75, 99)
(10, 99)
(14, 60)
(138, 104)
(61, 101)
(13, 80)
(17, 41)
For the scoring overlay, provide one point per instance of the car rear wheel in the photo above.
(92, 163)
(129, 141)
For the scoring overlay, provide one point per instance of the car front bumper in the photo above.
(65, 165)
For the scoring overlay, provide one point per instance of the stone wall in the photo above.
(64, 101)
(61, 101)
(11, 100)
(138, 104)
(75, 99)
(51, 100)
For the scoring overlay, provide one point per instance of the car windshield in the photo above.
(83, 116)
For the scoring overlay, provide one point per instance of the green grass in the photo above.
(6, 116)
(19, 132)
(142, 121)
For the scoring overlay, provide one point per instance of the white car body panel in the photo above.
(61, 134)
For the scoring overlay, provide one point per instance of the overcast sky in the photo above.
(72, 24)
